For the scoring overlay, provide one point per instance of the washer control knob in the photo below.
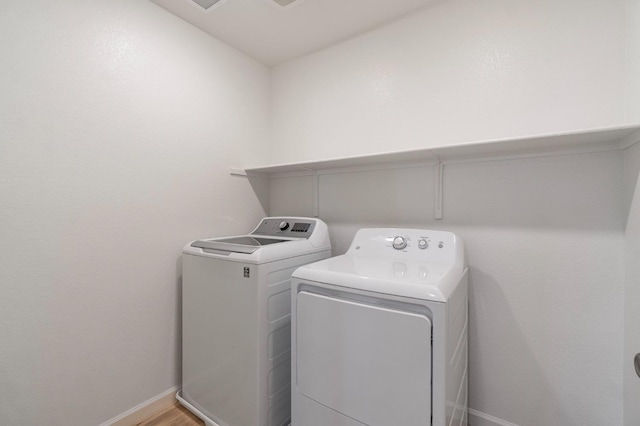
(399, 242)
(284, 225)
(423, 244)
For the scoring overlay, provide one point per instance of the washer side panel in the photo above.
(219, 339)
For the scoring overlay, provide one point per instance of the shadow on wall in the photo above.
(631, 177)
(577, 192)
(572, 192)
(260, 186)
(566, 193)
(512, 368)
(178, 326)
(632, 289)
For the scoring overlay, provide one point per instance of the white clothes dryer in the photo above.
(236, 321)
(379, 334)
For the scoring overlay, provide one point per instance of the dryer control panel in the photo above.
(408, 244)
(286, 227)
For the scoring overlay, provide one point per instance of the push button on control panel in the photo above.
(423, 244)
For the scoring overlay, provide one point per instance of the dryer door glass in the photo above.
(370, 363)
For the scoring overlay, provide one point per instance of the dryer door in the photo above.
(370, 363)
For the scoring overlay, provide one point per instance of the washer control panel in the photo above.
(286, 227)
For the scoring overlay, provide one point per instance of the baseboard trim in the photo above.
(478, 418)
(143, 410)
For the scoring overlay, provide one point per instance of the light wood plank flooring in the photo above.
(173, 415)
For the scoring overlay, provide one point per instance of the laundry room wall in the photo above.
(545, 236)
(632, 214)
(545, 246)
(458, 71)
(632, 90)
(118, 124)
(632, 285)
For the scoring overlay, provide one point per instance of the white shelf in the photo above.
(605, 139)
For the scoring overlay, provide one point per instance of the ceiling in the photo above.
(273, 34)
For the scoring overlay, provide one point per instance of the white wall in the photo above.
(632, 285)
(632, 213)
(118, 123)
(632, 89)
(458, 71)
(545, 236)
(545, 242)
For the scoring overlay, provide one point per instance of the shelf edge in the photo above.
(618, 137)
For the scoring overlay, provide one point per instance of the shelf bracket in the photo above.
(439, 169)
(236, 171)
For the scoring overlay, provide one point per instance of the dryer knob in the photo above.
(399, 243)
(283, 225)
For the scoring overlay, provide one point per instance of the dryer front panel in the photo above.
(370, 363)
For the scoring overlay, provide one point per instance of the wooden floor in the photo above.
(174, 415)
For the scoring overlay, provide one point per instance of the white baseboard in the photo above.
(142, 411)
(478, 418)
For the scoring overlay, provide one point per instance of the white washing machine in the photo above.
(236, 321)
(379, 334)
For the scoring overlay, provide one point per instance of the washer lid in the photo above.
(243, 244)
(419, 280)
(274, 239)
